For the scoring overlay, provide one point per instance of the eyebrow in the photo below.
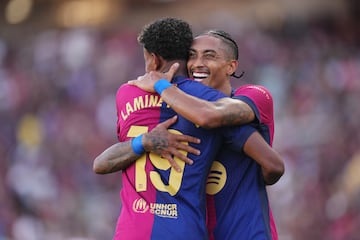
(204, 51)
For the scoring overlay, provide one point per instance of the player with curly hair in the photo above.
(237, 201)
(158, 200)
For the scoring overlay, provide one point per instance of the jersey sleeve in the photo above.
(235, 137)
(201, 91)
(259, 99)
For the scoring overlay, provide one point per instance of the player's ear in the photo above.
(160, 62)
(232, 67)
(153, 63)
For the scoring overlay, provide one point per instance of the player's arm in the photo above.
(223, 112)
(121, 155)
(271, 163)
(117, 157)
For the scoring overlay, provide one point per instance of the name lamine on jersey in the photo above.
(141, 102)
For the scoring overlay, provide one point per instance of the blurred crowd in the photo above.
(57, 113)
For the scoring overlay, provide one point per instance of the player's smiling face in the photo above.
(208, 61)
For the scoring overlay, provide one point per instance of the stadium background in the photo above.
(61, 62)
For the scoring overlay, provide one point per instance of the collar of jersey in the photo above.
(179, 79)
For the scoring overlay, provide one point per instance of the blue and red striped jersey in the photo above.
(238, 206)
(157, 201)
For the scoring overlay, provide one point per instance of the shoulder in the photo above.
(252, 90)
(259, 99)
(254, 94)
(127, 89)
(127, 92)
(199, 90)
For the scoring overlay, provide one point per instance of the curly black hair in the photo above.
(169, 38)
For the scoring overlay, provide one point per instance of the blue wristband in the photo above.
(161, 85)
(137, 146)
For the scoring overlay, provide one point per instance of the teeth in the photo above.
(200, 75)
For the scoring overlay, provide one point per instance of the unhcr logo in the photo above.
(140, 205)
(168, 210)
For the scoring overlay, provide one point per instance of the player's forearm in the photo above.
(271, 177)
(115, 158)
(271, 163)
(224, 112)
(189, 107)
(272, 169)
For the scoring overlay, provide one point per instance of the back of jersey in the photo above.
(138, 112)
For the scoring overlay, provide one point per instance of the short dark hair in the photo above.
(230, 43)
(227, 39)
(169, 38)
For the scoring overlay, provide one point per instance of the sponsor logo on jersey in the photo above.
(216, 179)
(168, 210)
(140, 205)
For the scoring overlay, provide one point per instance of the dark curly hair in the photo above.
(169, 38)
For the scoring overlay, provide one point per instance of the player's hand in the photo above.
(148, 80)
(169, 145)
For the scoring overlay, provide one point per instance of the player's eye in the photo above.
(209, 56)
(192, 55)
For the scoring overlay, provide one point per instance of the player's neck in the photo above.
(182, 70)
(225, 88)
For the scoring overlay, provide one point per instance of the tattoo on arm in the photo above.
(117, 157)
(158, 143)
(235, 115)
